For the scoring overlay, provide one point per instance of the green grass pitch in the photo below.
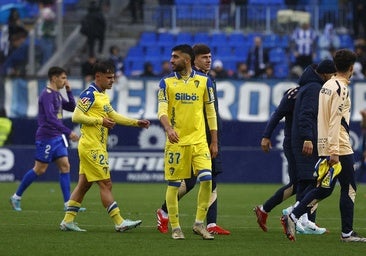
(35, 230)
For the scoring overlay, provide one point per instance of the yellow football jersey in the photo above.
(94, 104)
(186, 99)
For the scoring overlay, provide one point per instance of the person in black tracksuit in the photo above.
(304, 125)
(284, 110)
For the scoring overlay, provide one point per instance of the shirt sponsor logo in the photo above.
(186, 97)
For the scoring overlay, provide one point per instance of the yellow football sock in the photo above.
(203, 200)
(171, 198)
(114, 213)
(72, 209)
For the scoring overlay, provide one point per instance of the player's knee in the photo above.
(204, 175)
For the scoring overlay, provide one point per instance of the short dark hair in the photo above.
(105, 66)
(55, 71)
(185, 48)
(344, 59)
(199, 49)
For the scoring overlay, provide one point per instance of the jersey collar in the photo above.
(180, 77)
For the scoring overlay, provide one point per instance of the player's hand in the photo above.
(67, 86)
(73, 136)
(266, 144)
(108, 122)
(172, 135)
(307, 148)
(143, 123)
(214, 150)
(333, 159)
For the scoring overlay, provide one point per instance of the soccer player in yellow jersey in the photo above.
(96, 116)
(183, 97)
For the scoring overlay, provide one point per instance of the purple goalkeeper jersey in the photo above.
(50, 106)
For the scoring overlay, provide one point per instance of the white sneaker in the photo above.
(127, 224)
(70, 226)
(310, 228)
(354, 237)
(177, 234)
(199, 229)
(288, 210)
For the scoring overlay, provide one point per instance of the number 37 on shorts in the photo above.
(178, 160)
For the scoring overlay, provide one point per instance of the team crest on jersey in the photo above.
(196, 83)
(94, 154)
(207, 155)
(106, 108)
(171, 171)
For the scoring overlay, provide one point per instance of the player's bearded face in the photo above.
(178, 62)
(178, 66)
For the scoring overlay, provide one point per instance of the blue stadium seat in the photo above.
(137, 67)
(281, 70)
(277, 55)
(134, 55)
(136, 51)
(166, 39)
(284, 41)
(270, 40)
(229, 63)
(184, 38)
(201, 37)
(346, 41)
(241, 53)
(219, 40)
(237, 39)
(223, 51)
(147, 38)
(167, 53)
(153, 52)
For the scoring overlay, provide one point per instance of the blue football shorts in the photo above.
(48, 151)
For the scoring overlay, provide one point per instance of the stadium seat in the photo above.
(219, 40)
(167, 53)
(346, 41)
(270, 41)
(166, 39)
(222, 51)
(153, 52)
(241, 53)
(201, 37)
(135, 52)
(229, 63)
(281, 70)
(147, 38)
(277, 55)
(284, 41)
(184, 38)
(137, 67)
(237, 39)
